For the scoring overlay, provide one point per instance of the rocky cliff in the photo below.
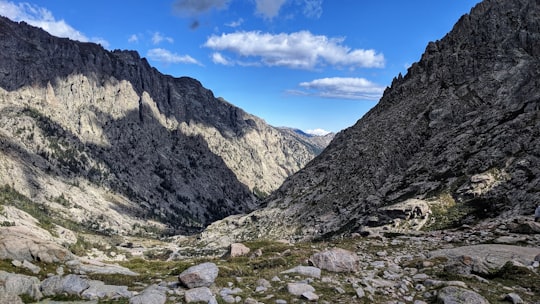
(104, 139)
(455, 140)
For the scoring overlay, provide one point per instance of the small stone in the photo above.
(360, 292)
(280, 301)
(238, 249)
(339, 290)
(420, 277)
(308, 271)
(514, 298)
(298, 289)
(199, 294)
(264, 283)
(16, 263)
(33, 268)
(310, 296)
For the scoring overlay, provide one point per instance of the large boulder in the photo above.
(202, 275)
(457, 295)
(336, 260)
(153, 294)
(18, 284)
(71, 284)
(19, 243)
(485, 258)
(99, 290)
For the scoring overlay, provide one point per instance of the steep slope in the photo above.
(460, 131)
(122, 144)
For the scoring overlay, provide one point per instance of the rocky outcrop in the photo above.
(104, 139)
(460, 131)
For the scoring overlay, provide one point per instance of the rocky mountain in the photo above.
(316, 142)
(103, 139)
(454, 141)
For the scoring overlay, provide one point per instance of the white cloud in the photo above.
(133, 38)
(43, 18)
(301, 50)
(219, 59)
(317, 132)
(157, 38)
(341, 88)
(313, 8)
(166, 56)
(268, 8)
(236, 23)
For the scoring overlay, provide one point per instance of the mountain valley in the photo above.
(119, 184)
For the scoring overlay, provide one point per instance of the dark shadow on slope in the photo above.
(170, 177)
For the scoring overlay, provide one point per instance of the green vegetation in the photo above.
(447, 213)
(10, 196)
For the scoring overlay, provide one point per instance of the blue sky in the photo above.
(308, 64)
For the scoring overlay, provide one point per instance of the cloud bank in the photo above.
(43, 18)
(341, 88)
(301, 50)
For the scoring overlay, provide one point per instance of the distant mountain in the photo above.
(457, 137)
(106, 140)
(316, 142)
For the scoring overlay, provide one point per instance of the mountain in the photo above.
(317, 143)
(454, 141)
(105, 140)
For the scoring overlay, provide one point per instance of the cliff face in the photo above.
(460, 129)
(123, 143)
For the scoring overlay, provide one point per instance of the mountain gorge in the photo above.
(456, 140)
(107, 141)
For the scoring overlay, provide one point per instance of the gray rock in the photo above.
(238, 249)
(336, 260)
(298, 289)
(18, 284)
(202, 275)
(310, 296)
(99, 290)
(514, 298)
(71, 284)
(21, 243)
(152, 294)
(86, 266)
(360, 292)
(308, 271)
(33, 268)
(485, 258)
(10, 298)
(199, 294)
(457, 295)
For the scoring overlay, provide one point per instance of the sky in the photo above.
(316, 65)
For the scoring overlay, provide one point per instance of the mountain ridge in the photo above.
(458, 132)
(166, 147)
